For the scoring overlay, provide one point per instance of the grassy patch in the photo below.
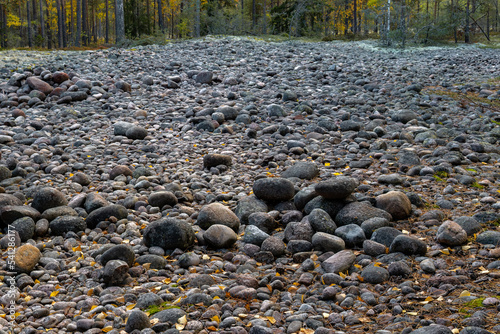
(468, 98)
(157, 308)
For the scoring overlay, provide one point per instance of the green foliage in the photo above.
(152, 309)
(136, 19)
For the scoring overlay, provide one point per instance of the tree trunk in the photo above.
(107, 21)
(488, 24)
(78, 37)
(197, 23)
(120, 21)
(71, 22)
(354, 17)
(49, 32)
(63, 24)
(42, 24)
(94, 23)
(160, 17)
(265, 17)
(346, 21)
(34, 18)
(28, 17)
(467, 14)
(254, 14)
(2, 34)
(85, 23)
(148, 14)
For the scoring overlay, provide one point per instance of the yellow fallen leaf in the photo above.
(271, 320)
(342, 275)
(107, 329)
(445, 251)
(466, 248)
(177, 301)
(327, 164)
(167, 280)
(215, 318)
(182, 320)
(54, 293)
(455, 330)
(93, 307)
(377, 264)
(154, 321)
(72, 270)
(306, 331)
(131, 306)
(27, 298)
(464, 293)
(412, 313)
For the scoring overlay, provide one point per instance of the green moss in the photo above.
(437, 178)
(471, 170)
(152, 309)
(441, 174)
(477, 185)
(478, 302)
(495, 122)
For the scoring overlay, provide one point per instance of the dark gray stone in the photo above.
(155, 261)
(469, 224)
(65, 224)
(115, 272)
(274, 189)
(352, 235)
(118, 252)
(137, 320)
(248, 205)
(169, 315)
(169, 233)
(408, 245)
(25, 227)
(339, 187)
(263, 221)
(385, 235)
(47, 198)
(299, 231)
(162, 198)
(214, 160)
(104, 213)
(302, 170)
(327, 243)
(374, 274)
(489, 238)
(321, 221)
(372, 224)
(358, 212)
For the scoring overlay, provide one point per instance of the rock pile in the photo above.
(234, 186)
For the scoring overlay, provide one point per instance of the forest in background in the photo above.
(89, 23)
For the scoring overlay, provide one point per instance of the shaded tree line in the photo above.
(75, 23)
